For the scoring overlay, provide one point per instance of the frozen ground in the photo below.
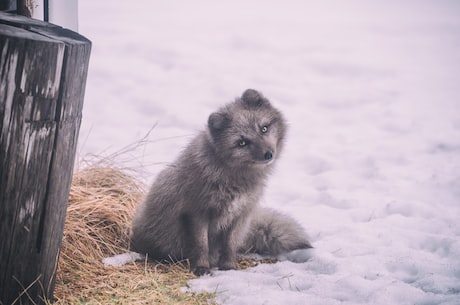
(372, 95)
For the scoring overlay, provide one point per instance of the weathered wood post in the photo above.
(43, 71)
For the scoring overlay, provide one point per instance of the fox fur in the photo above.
(204, 206)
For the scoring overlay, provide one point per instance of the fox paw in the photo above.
(199, 271)
(227, 266)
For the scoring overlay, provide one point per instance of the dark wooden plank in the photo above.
(71, 96)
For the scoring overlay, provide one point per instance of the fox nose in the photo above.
(268, 155)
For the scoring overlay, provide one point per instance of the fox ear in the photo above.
(217, 122)
(254, 99)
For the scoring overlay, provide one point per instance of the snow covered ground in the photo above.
(372, 94)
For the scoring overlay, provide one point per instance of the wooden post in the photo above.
(43, 71)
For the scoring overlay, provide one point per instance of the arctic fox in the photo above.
(204, 206)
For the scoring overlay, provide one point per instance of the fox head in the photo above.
(249, 131)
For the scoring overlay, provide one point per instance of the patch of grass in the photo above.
(101, 205)
(133, 284)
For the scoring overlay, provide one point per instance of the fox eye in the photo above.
(242, 143)
(264, 129)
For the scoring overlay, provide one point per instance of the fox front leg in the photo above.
(197, 246)
(227, 259)
(229, 242)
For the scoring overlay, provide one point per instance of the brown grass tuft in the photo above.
(101, 205)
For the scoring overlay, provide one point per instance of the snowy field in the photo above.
(372, 95)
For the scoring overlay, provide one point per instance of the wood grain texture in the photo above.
(43, 72)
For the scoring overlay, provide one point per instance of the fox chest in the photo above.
(233, 211)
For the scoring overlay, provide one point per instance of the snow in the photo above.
(372, 163)
(122, 259)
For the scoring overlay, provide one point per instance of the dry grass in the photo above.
(101, 205)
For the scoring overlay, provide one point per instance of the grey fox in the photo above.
(204, 206)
